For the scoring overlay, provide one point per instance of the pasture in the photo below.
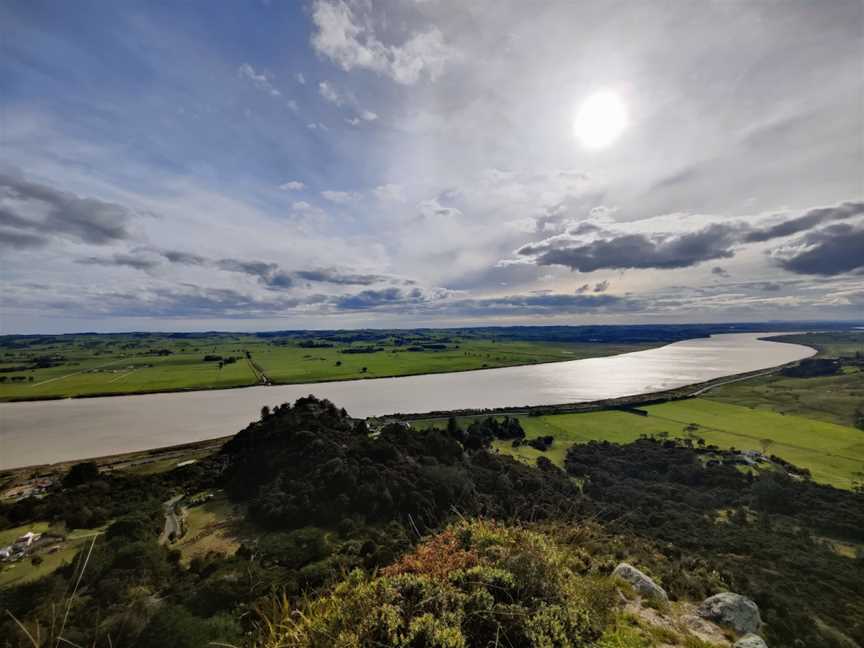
(90, 365)
(833, 453)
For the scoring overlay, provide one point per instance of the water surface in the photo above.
(51, 431)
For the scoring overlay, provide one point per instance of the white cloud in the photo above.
(292, 185)
(339, 197)
(350, 42)
(261, 80)
(330, 93)
(389, 193)
(300, 78)
(368, 115)
(434, 209)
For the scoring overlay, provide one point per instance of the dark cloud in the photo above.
(128, 260)
(767, 286)
(187, 258)
(807, 221)
(640, 251)
(10, 238)
(830, 251)
(268, 274)
(33, 212)
(599, 287)
(609, 250)
(333, 276)
(720, 272)
(272, 275)
(370, 299)
(538, 304)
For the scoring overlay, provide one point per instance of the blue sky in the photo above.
(330, 163)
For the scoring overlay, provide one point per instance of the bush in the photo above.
(475, 584)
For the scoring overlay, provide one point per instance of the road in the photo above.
(172, 520)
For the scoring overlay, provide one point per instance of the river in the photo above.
(62, 430)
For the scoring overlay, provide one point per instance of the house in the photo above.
(27, 539)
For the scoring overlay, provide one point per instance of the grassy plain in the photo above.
(89, 365)
(835, 399)
(833, 453)
(209, 527)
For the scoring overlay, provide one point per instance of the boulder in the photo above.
(732, 611)
(640, 582)
(750, 641)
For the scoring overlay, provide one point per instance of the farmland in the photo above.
(833, 453)
(835, 399)
(90, 365)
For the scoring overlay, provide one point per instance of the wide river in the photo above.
(62, 430)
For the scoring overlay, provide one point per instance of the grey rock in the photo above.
(640, 582)
(750, 641)
(732, 611)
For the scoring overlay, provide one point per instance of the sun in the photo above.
(600, 120)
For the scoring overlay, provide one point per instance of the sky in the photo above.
(356, 163)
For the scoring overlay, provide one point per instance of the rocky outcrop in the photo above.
(750, 641)
(642, 583)
(732, 611)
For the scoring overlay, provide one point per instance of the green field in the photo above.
(835, 399)
(836, 344)
(833, 453)
(24, 571)
(87, 365)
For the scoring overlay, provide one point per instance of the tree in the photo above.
(265, 412)
(81, 473)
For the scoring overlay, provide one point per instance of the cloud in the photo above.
(830, 251)
(330, 93)
(389, 193)
(268, 274)
(20, 240)
(187, 258)
(260, 80)
(541, 304)
(637, 250)
(128, 260)
(368, 115)
(433, 208)
(334, 276)
(807, 221)
(720, 272)
(371, 299)
(292, 185)
(32, 213)
(339, 197)
(599, 287)
(350, 41)
(300, 78)
(588, 247)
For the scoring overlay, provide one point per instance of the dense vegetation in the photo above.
(330, 502)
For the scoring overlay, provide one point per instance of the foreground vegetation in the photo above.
(341, 536)
(89, 365)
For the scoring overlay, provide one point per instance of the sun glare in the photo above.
(600, 120)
